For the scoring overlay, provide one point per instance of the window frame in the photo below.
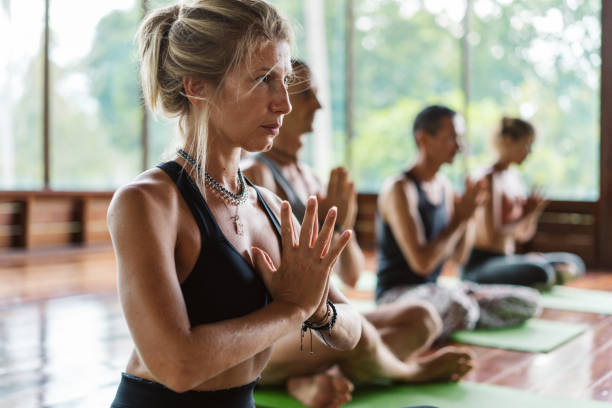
(601, 209)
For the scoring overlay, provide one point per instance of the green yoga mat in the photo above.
(449, 395)
(535, 335)
(579, 300)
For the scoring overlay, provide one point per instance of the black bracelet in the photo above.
(309, 326)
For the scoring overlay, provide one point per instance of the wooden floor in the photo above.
(63, 341)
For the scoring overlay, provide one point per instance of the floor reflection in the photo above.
(65, 352)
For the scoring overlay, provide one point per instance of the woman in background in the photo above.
(511, 216)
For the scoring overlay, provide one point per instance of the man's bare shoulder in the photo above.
(273, 201)
(257, 172)
(398, 184)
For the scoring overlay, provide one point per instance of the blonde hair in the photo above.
(206, 40)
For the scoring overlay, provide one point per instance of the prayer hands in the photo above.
(341, 194)
(307, 257)
(475, 195)
(535, 203)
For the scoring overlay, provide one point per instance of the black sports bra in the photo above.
(222, 284)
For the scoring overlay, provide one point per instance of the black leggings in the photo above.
(136, 392)
(528, 270)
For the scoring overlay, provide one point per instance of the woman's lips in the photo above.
(272, 128)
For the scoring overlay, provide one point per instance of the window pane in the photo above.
(407, 56)
(95, 110)
(21, 79)
(540, 59)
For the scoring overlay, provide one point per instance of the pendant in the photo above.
(238, 225)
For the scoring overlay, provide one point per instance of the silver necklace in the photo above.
(226, 195)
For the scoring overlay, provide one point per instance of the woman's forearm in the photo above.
(346, 331)
(209, 349)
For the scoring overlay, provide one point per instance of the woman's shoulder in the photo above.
(151, 193)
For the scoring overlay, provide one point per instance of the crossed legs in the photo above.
(392, 339)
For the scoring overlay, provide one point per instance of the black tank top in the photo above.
(393, 268)
(222, 284)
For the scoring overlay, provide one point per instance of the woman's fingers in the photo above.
(338, 247)
(326, 232)
(315, 227)
(263, 264)
(307, 224)
(286, 226)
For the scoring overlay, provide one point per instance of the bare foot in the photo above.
(447, 364)
(320, 391)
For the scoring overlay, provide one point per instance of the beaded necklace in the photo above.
(226, 195)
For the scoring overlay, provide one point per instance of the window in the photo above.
(21, 87)
(95, 127)
(540, 60)
(407, 55)
(536, 59)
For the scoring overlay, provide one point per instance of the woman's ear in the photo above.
(195, 90)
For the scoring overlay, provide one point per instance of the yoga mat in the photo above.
(447, 395)
(579, 300)
(535, 335)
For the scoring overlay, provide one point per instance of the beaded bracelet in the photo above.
(331, 310)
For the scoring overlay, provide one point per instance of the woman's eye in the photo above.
(265, 79)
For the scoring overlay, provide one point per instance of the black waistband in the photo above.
(136, 392)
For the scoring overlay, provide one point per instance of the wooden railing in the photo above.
(31, 220)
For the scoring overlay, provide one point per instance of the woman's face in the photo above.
(304, 102)
(516, 151)
(249, 110)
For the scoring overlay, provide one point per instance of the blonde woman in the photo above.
(512, 216)
(208, 278)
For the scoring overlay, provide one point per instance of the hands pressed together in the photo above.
(342, 195)
(307, 258)
(535, 203)
(475, 194)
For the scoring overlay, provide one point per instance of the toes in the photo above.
(343, 385)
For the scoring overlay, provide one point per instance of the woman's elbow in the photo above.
(180, 374)
(176, 376)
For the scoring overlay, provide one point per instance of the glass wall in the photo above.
(408, 54)
(537, 59)
(21, 87)
(95, 110)
(540, 60)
